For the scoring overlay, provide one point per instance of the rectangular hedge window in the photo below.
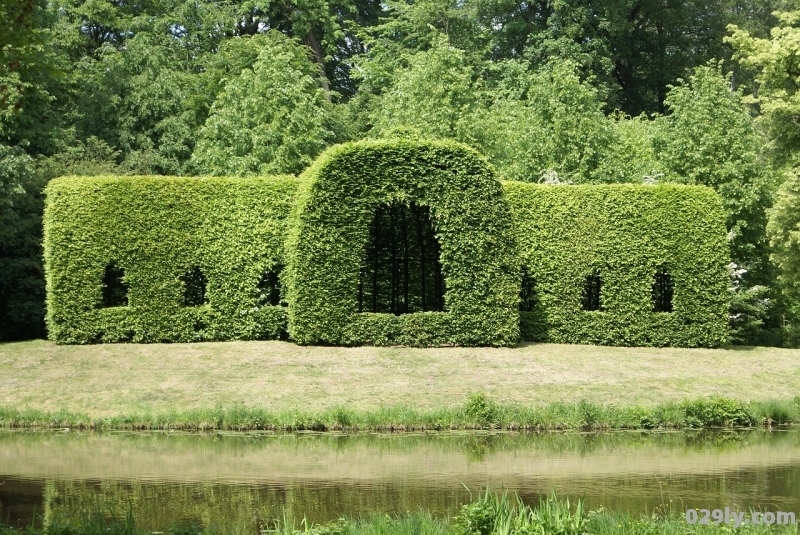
(663, 289)
(590, 298)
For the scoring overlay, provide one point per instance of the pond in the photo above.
(243, 480)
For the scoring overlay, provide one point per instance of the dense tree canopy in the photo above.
(559, 91)
(270, 119)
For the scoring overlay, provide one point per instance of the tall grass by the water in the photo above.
(490, 513)
(478, 412)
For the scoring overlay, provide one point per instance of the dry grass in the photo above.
(106, 380)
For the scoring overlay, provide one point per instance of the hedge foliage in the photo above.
(625, 235)
(330, 229)
(157, 230)
(150, 259)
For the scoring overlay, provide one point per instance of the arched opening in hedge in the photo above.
(194, 287)
(401, 271)
(352, 202)
(663, 290)
(115, 290)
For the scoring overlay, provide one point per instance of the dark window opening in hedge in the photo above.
(590, 299)
(527, 293)
(194, 288)
(115, 291)
(663, 289)
(269, 287)
(401, 272)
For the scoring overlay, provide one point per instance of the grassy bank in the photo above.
(106, 381)
(488, 514)
(477, 412)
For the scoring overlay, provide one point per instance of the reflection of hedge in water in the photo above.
(223, 508)
(246, 509)
(368, 445)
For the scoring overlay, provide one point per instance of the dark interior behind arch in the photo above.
(401, 271)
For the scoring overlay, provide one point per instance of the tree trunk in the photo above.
(311, 41)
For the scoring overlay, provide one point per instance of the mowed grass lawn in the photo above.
(107, 380)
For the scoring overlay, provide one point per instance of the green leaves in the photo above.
(21, 282)
(271, 119)
(433, 97)
(775, 61)
(709, 139)
(544, 122)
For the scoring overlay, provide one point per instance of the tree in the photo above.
(776, 62)
(14, 174)
(21, 274)
(268, 120)
(784, 234)
(709, 138)
(434, 96)
(19, 35)
(544, 122)
(632, 156)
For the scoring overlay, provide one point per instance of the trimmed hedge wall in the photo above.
(330, 227)
(168, 236)
(624, 234)
(157, 229)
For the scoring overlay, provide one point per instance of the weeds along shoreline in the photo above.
(477, 412)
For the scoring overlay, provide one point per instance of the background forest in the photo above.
(556, 91)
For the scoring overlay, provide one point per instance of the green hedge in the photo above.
(156, 229)
(330, 227)
(624, 234)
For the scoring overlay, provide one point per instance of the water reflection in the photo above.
(241, 480)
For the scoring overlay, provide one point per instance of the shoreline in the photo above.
(477, 413)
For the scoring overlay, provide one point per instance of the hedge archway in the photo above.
(336, 204)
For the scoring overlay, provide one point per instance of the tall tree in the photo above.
(709, 138)
(433, 96)
(545, 124)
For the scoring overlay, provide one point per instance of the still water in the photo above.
(245, 479)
